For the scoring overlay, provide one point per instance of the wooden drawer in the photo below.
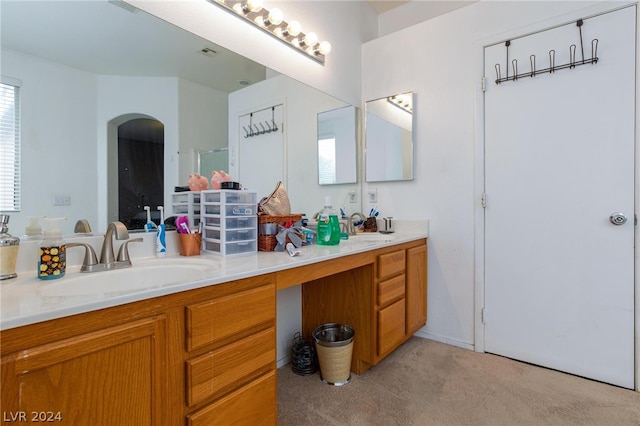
(391, 264)
(390, 290)
(227, 316)
(253, 404)
(230, 366)
(391, 323)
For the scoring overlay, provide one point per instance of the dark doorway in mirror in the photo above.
(140, 171)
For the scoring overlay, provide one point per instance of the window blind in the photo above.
(326, 161)
(9, 144)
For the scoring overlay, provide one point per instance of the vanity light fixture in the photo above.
(272, 22)
(403, 101)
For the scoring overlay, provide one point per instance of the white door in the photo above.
(559, 160)
(261, 150)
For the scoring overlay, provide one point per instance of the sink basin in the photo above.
(372, 236)
(367, 239)
(144, 274)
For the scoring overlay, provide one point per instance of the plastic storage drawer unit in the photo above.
(230, 221)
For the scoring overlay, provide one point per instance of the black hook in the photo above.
(594, 50)
(273, 119)
(572, 56)
(507, 44)
(532, 60)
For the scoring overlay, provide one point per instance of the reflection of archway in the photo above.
(135, 168)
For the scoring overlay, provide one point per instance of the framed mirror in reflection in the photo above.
(337, 146)
(389, 138)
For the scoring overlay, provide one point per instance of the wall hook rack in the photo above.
(261, 127)
(573, 62)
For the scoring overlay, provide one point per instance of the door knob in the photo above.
(618, 218)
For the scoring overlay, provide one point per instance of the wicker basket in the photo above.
(269, 242)
(334, 345)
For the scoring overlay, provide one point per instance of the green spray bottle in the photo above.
(328, 225)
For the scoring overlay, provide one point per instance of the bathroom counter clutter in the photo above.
(193, 340)
(26, 300)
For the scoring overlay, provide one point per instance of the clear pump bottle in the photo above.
(328, 225)
(8, 250)
(52, 261)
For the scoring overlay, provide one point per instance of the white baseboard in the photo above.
(444, 339)
(282, 362)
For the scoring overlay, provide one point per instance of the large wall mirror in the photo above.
(337, 146)
(106, 62)
(389, 138)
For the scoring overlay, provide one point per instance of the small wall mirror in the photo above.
(337, 142)
(389, 138)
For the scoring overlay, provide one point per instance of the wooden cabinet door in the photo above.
(391, 326)
(254, 404)
(416, 292)
(114, 376)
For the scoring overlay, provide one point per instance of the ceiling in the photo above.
(102, 38)
(381, 6)
(113, 38)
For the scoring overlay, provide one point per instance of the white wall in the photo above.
(302, 105)
(194, 117)
(155, 97)
(58, 140)
(203, 125)
(441, 61)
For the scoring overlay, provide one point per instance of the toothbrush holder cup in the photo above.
(190, 244)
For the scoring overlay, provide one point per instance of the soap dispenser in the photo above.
(52, 261)
(33, 229)
(328, 229)
(8, 250)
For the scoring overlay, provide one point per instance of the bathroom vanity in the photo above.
(202, 352)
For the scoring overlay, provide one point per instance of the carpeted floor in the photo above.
(429, 383)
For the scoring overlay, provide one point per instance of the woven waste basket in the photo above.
(334, 346)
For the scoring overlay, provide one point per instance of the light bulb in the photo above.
(294, 28)
(275, 17)
(310, 39)
(252, 6)
(324, 48)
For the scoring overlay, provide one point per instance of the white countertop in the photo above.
(27, 300)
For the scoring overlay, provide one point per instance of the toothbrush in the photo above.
(149, 226)
(161, 244)
(182, 223)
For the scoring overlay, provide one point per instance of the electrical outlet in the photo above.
(373, 195)
(353, 196)
(62, 200)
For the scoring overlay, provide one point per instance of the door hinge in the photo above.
(483, 316)
(484, 84)
(484, 200)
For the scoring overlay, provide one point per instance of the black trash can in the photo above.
(334, 346)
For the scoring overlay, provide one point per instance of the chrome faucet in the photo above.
(351, 228)
(107, 257)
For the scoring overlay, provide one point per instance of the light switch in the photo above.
(62, 200)
(373, 195)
